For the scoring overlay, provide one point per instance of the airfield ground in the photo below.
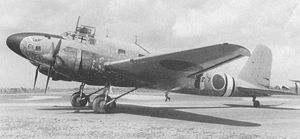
(145, 114)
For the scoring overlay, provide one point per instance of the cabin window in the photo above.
(30, 46)
(140, 55)
(121, 51)
(38, 48)
(92, 41)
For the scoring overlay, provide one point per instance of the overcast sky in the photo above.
(161, 26)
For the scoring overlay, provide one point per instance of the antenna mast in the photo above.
(77, 23)
(140, 45)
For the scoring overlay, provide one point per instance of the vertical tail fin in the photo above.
(257, 69)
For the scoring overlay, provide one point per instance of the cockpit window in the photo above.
(38, 48)
(121, 51)
(36, 39)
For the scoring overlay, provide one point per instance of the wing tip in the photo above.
(244, 51)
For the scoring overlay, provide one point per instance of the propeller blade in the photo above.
(49, 75)
(56, 50)
(36, 75)
(52, 48)
(51, 56)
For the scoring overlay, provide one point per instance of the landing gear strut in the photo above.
(104, 103)
(255, 102)
(79, 99)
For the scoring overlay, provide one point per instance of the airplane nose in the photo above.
(13, 43)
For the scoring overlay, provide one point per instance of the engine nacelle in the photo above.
(68, 61)
(79, 64)
(216, 84)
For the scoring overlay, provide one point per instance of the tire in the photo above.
(256, 104)
(77, 102)
(99, 104)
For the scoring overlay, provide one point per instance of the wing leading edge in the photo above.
(164, 70)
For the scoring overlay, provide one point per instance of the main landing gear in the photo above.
(255, 102)
(79, 99)
(102, 103)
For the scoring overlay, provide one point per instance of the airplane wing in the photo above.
(164, 70)
(264, 91)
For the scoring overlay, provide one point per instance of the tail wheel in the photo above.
(256, 103)
(99, 104)
(77, 101)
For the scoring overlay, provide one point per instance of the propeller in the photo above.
(51, 58)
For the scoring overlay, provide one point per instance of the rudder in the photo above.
(257, 69)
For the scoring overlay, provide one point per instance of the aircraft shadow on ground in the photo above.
(165, 112)
(260, 107)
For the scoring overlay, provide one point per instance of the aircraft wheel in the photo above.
(99, 104)
(256, 103)
(76, 101)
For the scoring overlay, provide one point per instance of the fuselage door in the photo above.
(201, 84)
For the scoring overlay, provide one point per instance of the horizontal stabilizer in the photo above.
(264, 92)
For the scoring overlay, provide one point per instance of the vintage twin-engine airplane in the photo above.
(79, 56)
